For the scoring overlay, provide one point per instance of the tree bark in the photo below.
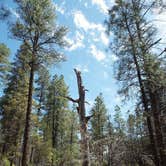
(153, 99)
(28, 119)
(157, 126)
(144, 98)
(83, 119)
(31, 154)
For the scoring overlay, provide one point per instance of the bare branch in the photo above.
(162, 52)
(156, 42)
(148, 9)
(87, 118)
(71, 99)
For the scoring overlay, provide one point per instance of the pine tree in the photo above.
(99, 119)
(115, 139)
(4, 63)
(13, 107)
(132, 44)
(37, 29)
(4, 50)
(41, 91)
(98, 125)
(59, 123)
(119, 121)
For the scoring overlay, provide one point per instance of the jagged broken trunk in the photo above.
(83, 119)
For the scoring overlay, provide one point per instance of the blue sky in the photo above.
(88, 51)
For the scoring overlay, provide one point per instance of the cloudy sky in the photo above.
(88, 51)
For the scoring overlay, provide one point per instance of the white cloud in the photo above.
(160, 23)
(99, 55)
(104, 39)
(101, 4)
(81, 22)
(82, 68)
(77, 42)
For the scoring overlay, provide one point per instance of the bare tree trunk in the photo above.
(83, 119)
(28, 119)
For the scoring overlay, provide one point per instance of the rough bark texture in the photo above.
(28, 120)
(83, 119)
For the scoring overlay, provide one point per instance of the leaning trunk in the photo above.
(154, 104)
(28, 119)
(143, 96)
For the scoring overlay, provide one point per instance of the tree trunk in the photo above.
(84, 145)
(31, 155)
(3, 148)
(28, 119)
(109, 155)
(83, 119)
(158, 131)
(144, 98)
(157, 124)
(11, 163)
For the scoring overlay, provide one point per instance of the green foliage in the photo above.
(98, 124)
(99, 119)
(119, 122)
(59, 124)
(4, 63)
(37, 28)
(41, 91)
(54, 136)
(5, 162)
(13, 106)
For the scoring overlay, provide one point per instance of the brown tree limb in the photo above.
(71, 99)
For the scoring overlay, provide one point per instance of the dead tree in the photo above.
(82, 118)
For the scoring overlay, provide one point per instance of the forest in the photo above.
(42, 123)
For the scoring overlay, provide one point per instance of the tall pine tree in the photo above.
(13, 107)
(37, 29)
(98, 125)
